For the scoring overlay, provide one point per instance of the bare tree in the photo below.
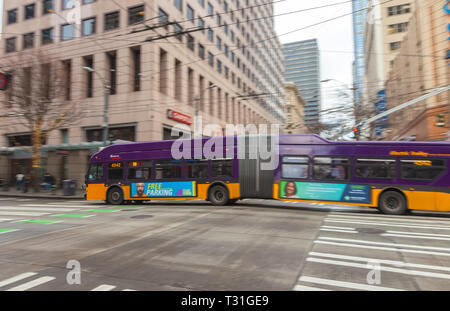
(37, 98)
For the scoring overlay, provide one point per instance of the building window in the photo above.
(179, 5)
(136, 15)
(67, 32)
(47, 6)
(201, 24)
(190, 13)
(88, 26)
(163, 71)
(219, 43)
(399, 9)
(67, 71)
(210, 9)
(28, 40)
(211, 59)
(47, 36)
(163, 18)
(112, 71)
(201, 51)
(210, 35)
(89, 62)
(112, 20)
(190, 42)
(394, 45)
(88, 1)
(202, 2)
(29, 11)
(136, 54)
(397, 28)
(12, 16)
(178, 29)
(219, 66)
(10, 45)
(68, 4)
(178, 80)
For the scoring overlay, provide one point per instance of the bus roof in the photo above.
(284, 139)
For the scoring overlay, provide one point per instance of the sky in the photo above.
(335, 39)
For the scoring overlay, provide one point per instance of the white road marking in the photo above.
(386, 244)
(5, 219)
(420, 233)
(381, 261)
(386, 224)
(9, 231)
(32, 284)
(340, 228)
(44, 209)
(7, 213)
(104, 287)
(335, 230)
(53, 205)
(129, 290)
(389, 219)
(301, 288)
(393, 249)
(16, 278)
(382, 216)
(357, 286)
(382, 268)
(415, 237)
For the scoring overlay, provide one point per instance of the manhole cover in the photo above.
(141, 216)
(370, 230)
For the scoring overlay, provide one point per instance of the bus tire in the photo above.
(392, 203)
(115, 196)
(218, 195)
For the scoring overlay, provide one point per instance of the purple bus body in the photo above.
(306, 145)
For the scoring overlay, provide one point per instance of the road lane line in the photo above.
(398, 264)
(382, 268)
(358, 286)
(73, 215)
(5, 219)
(386, 224)
(302, 288)
(39, 221)
(386, 244)
(392, 249)
(104, 287)
(440, 222)
(31, 284)
(340, 228)
(129, 290)
(16, 278)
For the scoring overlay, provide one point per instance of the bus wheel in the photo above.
(115, 196)
(392, 202)
(218, 195)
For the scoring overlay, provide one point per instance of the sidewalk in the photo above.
(58, 194)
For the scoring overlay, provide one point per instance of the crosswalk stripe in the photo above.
(43, 209)
(383, 216)
(385, 224)
(386, 244)
(32, 284)
(16, 278)
(302, 288)
(336, 230)
(351, 285)
(129, 290)
(381, 261)
(392, 249)
(104, 287)
(382, 268)
(5, 219)
(419, 233)
(415, 237)
(389, 219)
(5, 213)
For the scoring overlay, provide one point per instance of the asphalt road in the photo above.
(189, 245)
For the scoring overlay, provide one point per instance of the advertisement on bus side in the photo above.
(163, 189)
(325, 192)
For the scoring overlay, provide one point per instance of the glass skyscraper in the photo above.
(359, 19)
(302, 63)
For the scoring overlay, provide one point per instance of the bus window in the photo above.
(420, 169)
(139, 170)
(327, 168)
(222, 168)
(96, 172)
(197, 169)
(115, 171)
(167, 169)
(294, 167)
(375, 168)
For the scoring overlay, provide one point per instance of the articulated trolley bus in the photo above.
(392, 176)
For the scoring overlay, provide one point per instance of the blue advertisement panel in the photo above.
(163, 189)
(325, 192)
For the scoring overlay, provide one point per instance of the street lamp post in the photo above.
(107, 86)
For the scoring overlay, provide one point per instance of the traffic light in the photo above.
(356, 131)
(440, 120)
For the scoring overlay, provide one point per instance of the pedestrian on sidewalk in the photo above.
(19, 180)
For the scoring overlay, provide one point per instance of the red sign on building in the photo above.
(179, 117)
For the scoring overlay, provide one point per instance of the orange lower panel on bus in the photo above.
(428, 200)
(96, 192)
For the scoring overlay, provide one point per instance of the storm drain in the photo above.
(142, 216)
(370, 230)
